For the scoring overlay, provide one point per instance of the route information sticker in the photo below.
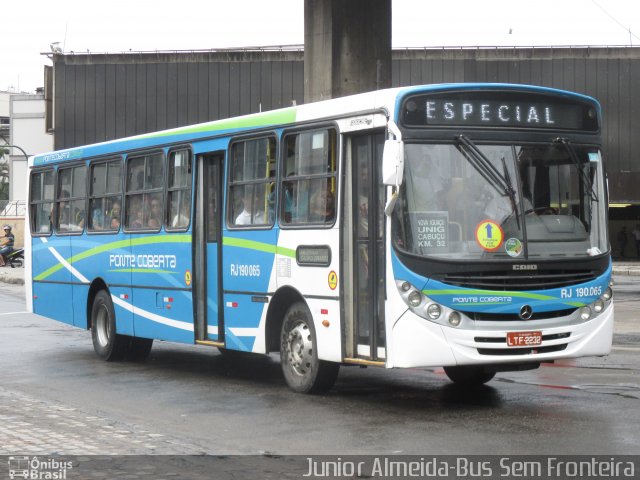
(489, 235)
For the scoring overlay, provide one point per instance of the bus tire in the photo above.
(468, 375)
(303, 371)
(107, 344)
(139, 349)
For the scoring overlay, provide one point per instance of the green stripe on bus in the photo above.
(114, 246)
(259, 246)
(576, 304)
(281, 117)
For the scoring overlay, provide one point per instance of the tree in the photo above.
(4, 175)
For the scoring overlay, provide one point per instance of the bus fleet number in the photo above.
(242, 270)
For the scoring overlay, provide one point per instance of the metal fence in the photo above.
(13, 208)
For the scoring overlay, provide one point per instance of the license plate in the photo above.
(523, 339)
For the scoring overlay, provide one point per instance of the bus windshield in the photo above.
(465, 201)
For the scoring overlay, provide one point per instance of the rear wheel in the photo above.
(302, 370)
(468, 375)
(107, 344)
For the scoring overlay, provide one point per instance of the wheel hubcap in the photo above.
(299, 349)
(102, 326)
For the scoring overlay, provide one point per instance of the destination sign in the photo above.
(488, 109)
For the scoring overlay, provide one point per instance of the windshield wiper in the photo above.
(500, 181)
(586, 181)
(510, 190)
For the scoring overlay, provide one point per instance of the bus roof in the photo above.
(387, 100)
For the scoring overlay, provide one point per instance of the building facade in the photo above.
(100, 97)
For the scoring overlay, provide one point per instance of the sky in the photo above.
(113, 26)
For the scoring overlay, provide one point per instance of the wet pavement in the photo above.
(56, 397)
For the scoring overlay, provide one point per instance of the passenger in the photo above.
(6, 244)
(115, 210)
(64, 211)
(135, 213)
(253, 212)
(322, 208)
(181, 219)
(97, 219)
(155, 214)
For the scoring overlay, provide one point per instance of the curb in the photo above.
(633, 271)
(12, 281)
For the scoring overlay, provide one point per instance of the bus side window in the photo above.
(144, 197)
(309, 187)
(71, 199)
(251, 183)
(179, 190)
(42, 196)
(105, 191)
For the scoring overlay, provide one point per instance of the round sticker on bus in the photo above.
(489, 235)
(513, 247)
(187, 278)
(333, 280)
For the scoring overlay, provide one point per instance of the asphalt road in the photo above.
(56, 396)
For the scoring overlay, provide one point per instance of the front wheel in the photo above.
(107, 344)
(302, 370)
(468, 375)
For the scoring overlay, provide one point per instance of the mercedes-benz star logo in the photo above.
(526, 312)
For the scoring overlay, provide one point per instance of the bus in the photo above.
(461, 226)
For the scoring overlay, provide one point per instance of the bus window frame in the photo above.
(328, 126)
(168, 189)
(105, 161)
(34, 172)
(56, 226)
(229, 217)
(126, 193)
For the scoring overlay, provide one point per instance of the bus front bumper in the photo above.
(416, 342)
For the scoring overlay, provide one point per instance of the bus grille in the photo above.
(509, 280)
(514, 317)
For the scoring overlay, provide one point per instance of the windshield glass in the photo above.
(480, 202)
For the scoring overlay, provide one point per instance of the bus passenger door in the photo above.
(365, 254)
(207, 254)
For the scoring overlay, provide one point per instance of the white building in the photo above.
(28, 131)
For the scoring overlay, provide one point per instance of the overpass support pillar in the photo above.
(347, 47)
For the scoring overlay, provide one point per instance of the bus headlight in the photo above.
(598, 306)
(607, 295)
(427, 308)
(585, 313)
(415, 298)
(434, 311)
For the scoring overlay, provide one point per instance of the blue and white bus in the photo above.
(461, 226)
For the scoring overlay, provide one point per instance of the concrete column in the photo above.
(347, 47)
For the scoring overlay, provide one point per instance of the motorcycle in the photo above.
(16, 258)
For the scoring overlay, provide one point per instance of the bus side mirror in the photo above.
(393, 162)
